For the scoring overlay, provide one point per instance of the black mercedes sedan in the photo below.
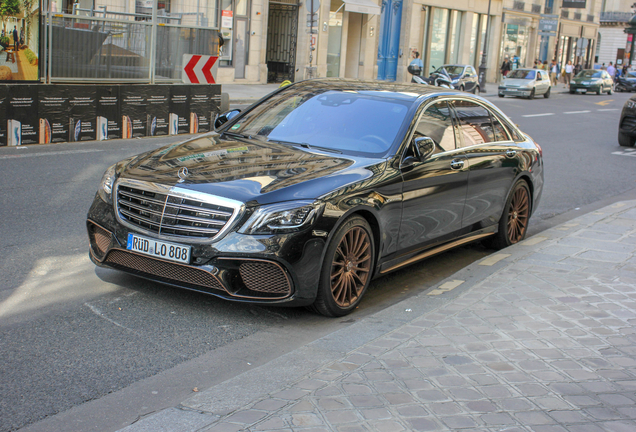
(627, 124)
(315, 190)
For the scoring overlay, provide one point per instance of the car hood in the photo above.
(517, 82)
(579, 80)
(250, 170)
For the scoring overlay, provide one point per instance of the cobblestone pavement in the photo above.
(538, 337)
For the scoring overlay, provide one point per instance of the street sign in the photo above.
(548, 25)
(199, 69)
(313, 5)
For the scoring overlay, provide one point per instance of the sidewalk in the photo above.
(538, 337)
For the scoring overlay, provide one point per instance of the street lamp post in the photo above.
(483, 69)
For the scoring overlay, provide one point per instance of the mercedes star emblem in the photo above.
(183, 173)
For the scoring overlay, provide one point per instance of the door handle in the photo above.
(511, 153)
(457, 164)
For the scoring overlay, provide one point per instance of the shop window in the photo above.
(455, 37)
(334, 43)
(439, 35)
(473, 39)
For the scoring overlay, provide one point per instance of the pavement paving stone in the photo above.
(544, 342)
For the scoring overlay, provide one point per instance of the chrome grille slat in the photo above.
(173, 212)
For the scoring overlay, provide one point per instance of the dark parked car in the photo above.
(311, 193)
(592, 80)
(626, 83)
(463, 77)
(627, 124)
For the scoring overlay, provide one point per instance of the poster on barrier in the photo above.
(134, 121)
(22, 115)
(53, 112)
(157, 109)
(3, 115)
(203, 107)
(179, 109)
(82, 113)
(108, 121)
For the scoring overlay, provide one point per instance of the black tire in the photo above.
(547, 94)
(513, 224)
(625, 140)
(531, 95)
(501, 95)
(610, 91)
(347, 269)
(461, 88)
(572, 92)
(476, 91)
(598, 92)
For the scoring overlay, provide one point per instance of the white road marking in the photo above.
(624, 153)
(54, 153)
(538, 115)
(609, 109)
(577, 112)
(99, 313)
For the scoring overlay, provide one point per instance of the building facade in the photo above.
(614, 45)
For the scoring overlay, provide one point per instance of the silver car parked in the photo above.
(526, 83)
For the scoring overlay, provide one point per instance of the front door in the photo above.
(434, 190)
(389, 39)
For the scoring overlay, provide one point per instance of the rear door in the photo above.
(434, 190)
(492, 160)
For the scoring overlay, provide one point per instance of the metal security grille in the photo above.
(171, 215)
(282, 33)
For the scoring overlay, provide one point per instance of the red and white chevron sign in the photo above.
(199, 69)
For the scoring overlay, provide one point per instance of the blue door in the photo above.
(389, 43)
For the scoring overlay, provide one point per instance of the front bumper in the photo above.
(585, 87)
(267, 269)
(509, 91)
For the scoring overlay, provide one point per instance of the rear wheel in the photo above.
(625, 140)
(513, 224)
(347, 269)
(547, 94)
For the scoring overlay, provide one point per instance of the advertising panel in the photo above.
(53, 110)
(83, 113)
(134, 121)
(20, 41)
(22, 115)
(108, 113)
(179, 109)
(204, 105)
(157, 110)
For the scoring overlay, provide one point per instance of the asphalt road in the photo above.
(91, 349)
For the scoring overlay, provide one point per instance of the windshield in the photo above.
(356, 122)
(453, 71)
(522, 74)
(591, 73)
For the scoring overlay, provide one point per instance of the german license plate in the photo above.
(158, 249)
(581, 90)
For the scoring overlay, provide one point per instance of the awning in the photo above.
(362, 6)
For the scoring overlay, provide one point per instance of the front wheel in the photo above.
(531, 94)
(610, 91)
(598, 92)
(461, 88)
(347, 269)
(513, 224)
(476, 91)
(547, 94)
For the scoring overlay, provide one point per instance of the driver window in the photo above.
(436, 123)
(539, 76)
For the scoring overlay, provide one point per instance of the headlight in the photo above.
(282, 217)
(105, 190)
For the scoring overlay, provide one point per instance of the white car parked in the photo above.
(526, 82)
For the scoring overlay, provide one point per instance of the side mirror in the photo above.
(221, 119)
(425, 147)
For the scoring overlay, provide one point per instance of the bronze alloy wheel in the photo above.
(347, 269)
(350, 267)
(518, 212)
(513, 223)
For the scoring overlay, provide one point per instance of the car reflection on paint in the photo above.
(311, 193)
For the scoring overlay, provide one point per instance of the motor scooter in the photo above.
(439, 78)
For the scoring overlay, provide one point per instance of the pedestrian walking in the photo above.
(554, 72)
(611, 70)
(506, 66)
(568, 73)
(16, 41)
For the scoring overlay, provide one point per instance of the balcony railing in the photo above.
(616, 16)
(577, 16)
(590, 18)
(547, 10)
(565, 14)
(536, 8)
(519, 5)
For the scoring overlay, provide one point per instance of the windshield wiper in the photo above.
(307, 146)
(234, 134)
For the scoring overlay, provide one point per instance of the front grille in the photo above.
(265, 277)
(168, 272)
(171, 215)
